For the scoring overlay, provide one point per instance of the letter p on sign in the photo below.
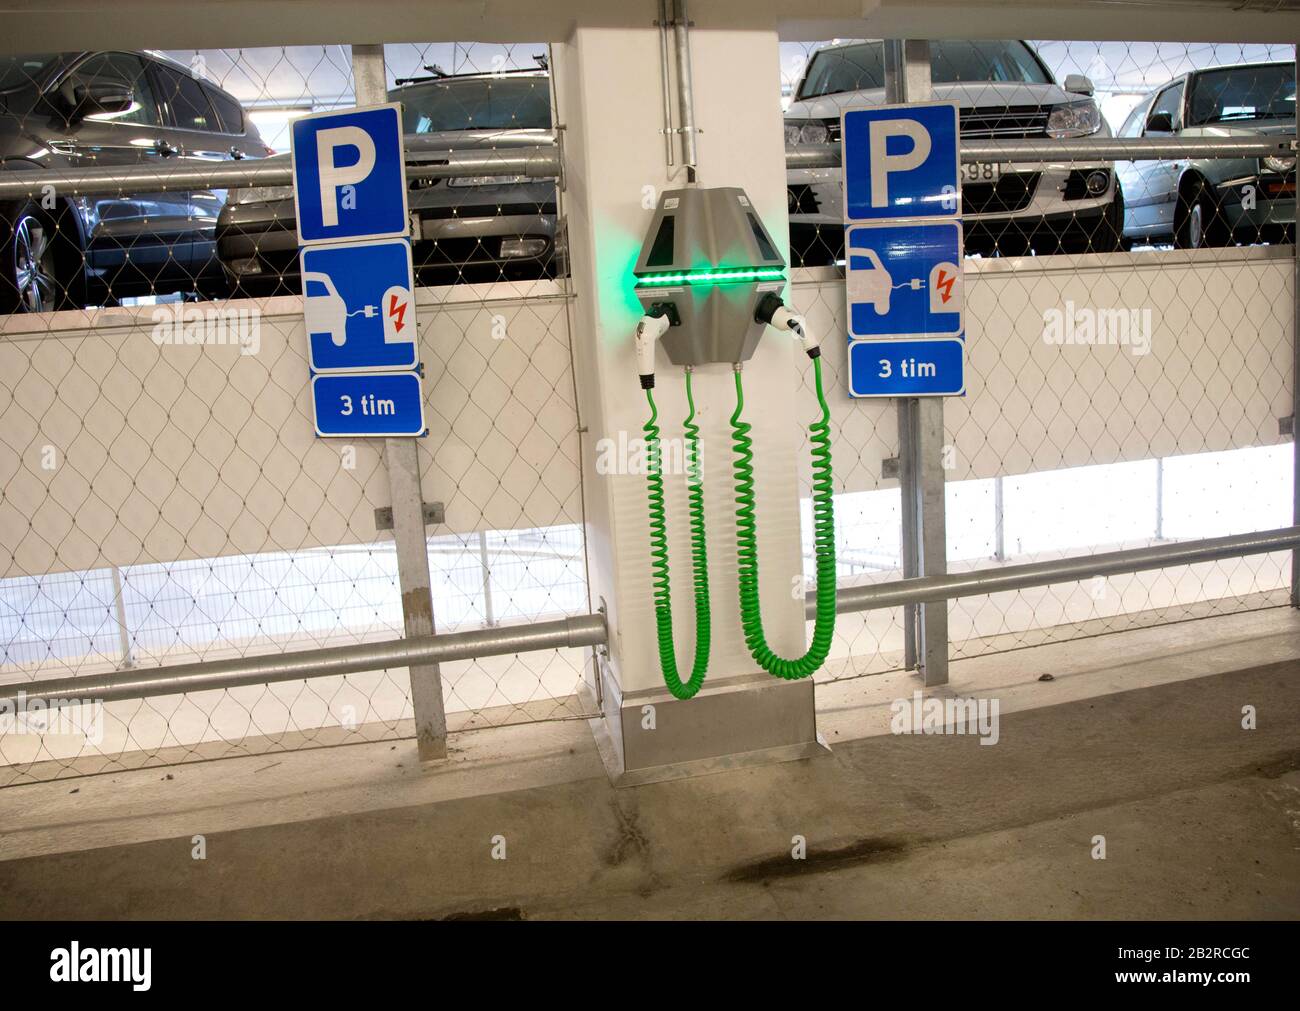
(883, 163)
(334, 177)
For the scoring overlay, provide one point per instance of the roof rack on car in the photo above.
(436, 73)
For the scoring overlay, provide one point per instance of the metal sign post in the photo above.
(408, 505)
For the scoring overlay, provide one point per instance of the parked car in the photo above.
(1204, 201)
(88, 109)
(1004, 92)
(466, 229)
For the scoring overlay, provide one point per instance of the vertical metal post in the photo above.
(123, 636)
(921, 436)
(1295, 388)
(1160, 498)
(999, 521)
(371, 88)
(488, 617)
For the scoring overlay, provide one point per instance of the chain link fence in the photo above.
(1129, 334)
(1129, 338)
(164, 498)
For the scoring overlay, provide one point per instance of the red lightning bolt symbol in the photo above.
(945, 285)
(398, 310)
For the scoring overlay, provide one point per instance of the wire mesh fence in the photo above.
(1129, 333)
(165, 499)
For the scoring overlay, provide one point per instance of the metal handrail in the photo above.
(1079, 149)
(235, 672)
(541, 162)
(980, 582)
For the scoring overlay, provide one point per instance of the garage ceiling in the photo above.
(191, 24)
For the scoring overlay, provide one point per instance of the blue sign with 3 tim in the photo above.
(900, 161)
(349, 176)
(903, 368)
(368, 404)
(904, 279)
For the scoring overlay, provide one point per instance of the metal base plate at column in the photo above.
(751, 720)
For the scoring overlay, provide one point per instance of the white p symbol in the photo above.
(331, 175)
(882, 162)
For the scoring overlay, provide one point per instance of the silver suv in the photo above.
(1004, 92)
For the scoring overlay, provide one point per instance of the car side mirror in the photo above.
(1077, 84)
(1159, 122)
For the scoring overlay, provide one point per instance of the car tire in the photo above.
(1108, 235)
(39, 268)
(1197, 221)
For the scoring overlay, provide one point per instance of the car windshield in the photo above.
(20, 70)
(1225, 96)
(862, 66)
(498, 103)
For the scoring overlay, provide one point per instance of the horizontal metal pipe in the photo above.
(136, 683)
(542, 162)
(979, 582)
(1081, 149)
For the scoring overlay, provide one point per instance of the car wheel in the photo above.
(1108, 235)
(1197, 222)
(35, 278)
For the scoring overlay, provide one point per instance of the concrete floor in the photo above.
(1137, 739)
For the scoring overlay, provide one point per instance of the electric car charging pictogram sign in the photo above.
(349, 174)
(903, 250)
(904, 280)
(359, 306)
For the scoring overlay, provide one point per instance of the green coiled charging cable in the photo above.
(751, 616)
(659, 551)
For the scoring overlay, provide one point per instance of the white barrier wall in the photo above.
(116, 449)
(1216, 374)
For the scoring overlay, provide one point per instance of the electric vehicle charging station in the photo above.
(708, 278)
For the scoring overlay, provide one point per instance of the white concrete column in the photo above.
(610, 103)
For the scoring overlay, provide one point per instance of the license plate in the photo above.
(981, 172)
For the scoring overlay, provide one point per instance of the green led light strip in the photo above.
(720, 275)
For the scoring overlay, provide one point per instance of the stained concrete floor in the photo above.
(1201, 818)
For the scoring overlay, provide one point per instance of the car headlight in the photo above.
(1281, 164)
(805, 131)
(1077, 119)
(486, 180)
(259, 195)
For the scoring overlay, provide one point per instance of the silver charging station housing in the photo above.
(714, 242)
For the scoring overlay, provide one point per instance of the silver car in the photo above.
(1211, 202)
(1004, 92)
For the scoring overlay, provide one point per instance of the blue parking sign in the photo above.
(387, 404)
(349, 176)
(904, 280)
(900, 161)
(359, 306)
